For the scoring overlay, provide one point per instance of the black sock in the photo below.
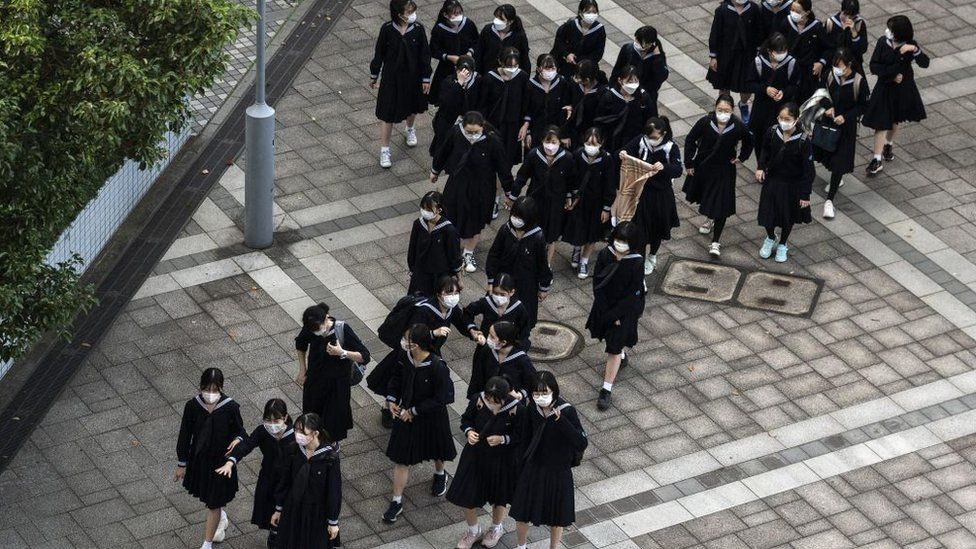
(655, 246)
(718, 228)
(834, 185)
(771, 233)
(785, 234)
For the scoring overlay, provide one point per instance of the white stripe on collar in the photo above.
(467, 85)
(728, 127)
(441, 225)
(782, 64)
(810, 25)
(588, 159)
(594, 89)
(288, 432)
(744, 9)
(542, 155)
(796, 135)
(511, 356)
(322, 450)
(777, 9)
(532, 232)
(593, 28)
(220, 403)
(631, 256)
(464, 21)
(444, 316)
(506, 407)
(555, 82)
(511, 305)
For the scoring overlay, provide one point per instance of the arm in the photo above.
(439, 162)
(423, 59)
(501, 164)
(471, 311)
(673, 167)
(600, 37)
(716, 37)
(921, 58)
(237, 423)
(542, 268)
(763, 155)
(691, 142)
(560, 45)
(301, 351)
(185, 440)
(443, 392)
(609, 182)
(453, 244)
(809, 170)
(746, 145)
(247, 445)
(620, 64)
(495, 255)
(569, 425)
(884, 69)
(283, 486)
(793, 83)
(394, 387)
(379, 54)
(659, 71)
(523, 47)
(358, 352)
(333, 494)
(437, 49)
(467, 418)
(858, 44)
(477, 382)
(522, 177)
(754, 83)
(459, 320)
(412, 246)
(480, 48)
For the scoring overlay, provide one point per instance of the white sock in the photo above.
(207, 545)
(584, 260)
(623, 355)
(877, 157)
(608, 386)
(384, 149)
(397, 499)
(439, 472)
(496, 526)
(468, 252)
(523, 546)
(474, 529)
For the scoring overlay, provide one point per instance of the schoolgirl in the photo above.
(553, 437)
(849, 95)
(716, 144)
(488, 466)
(402, 56)
(805, 35)
(647, 56)
(435, 248)
(847, 29)
(786, 172)
(896, 98)
(587, 87)
(520, 249)
(549, 101)
(624, 109)
(474, 158)
(774, 79)
(500, 356)
(452, 37)
(500, 303)
(504, 103)
(418, 395)
(460, 92)
(657, 212)
(309, 491)
(504, 32)
(326, 349)
(550, 172)
(732, 43)
(580, 38)
(586, 223)
(211, 421)
(275, 437)
(441, 311)
(772, 14)
(618, 302)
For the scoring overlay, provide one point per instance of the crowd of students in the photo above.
(586, 145)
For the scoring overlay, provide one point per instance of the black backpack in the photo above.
(396, 323)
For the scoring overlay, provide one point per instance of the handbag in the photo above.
(357, 370)
(826, 136)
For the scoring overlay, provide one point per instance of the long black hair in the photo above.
(525, 209)
(313, 422)
(212, 377)
(497, 387)
(507, 12)
(659, 124)
(504, 281)
(397, 7)
(450, 6)
(506, 331)
(546, 380)
(275, 408)
(774, 42)
(314, 316)
(627, 232)
(420, 335)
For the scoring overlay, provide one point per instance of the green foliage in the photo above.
(85, 85)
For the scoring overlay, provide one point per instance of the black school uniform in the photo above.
(426, 390)
(893, 103)
(514, 312)
(550, 185)
(427, 312)
(807, 47)
(517, 368)
(485, 473)
(710, 151)
(597, 191)
(447, 40)
(618, 296)
(503, 103)
(789, 179)
(309, 496)
(544, 492)
(785, 77)
(850, 107)
(406, 60)
(584, 111)
(584, 44)
(771, 17)
(836, 36)
(472, 168)
(733, 41)
(327, 391)
(651, 67)
(544, 108)
(455, 100)
(657, 211)
(525, 259)
(201, 446)
(490, 46)
(621, 120)
(274, 451)
(433, 252)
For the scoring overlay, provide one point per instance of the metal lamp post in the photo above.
(259, 144)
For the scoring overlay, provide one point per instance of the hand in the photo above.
(507, 203)
(333, 532)
(333, 349)
(839, 120)
(230, 447)
(779, 96)
(225, 469)
(473, 437)
(569, 111)
(515, 394)
(406, 416)
(556, 414)
(480, 339)
(528, 141)
(760, 176)
(771, 92)
(275, 518)
(616, 323)
(460, 279)
(453, 59)
(443, 331)
(571, 58)
(463, 76)
(898, 78)
(622, 155)
(735, 161)
(804, 203)
(569, 204)
(433, 178)
(300, 379)
(495, 440)
(847, 22)
(604, 216)
(689, 171)
(372, 84)
(394, 409)
(817, 67)
(907, 48)
(543, 296)
(657, 166)
(522, 131)
(179, 473)
(713, 64)
(829, 112)
(425, 87)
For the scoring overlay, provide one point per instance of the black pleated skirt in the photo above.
(657, 214)
(484, 476)
(427, 437)
(892, 104)
(544, 496)
(305, 527)
(264, 501)
(330, 398)
(779, 205)
(583, 225)
(200, 480)
(713, 189)
(467, 203)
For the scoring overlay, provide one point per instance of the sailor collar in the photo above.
(633, 96)
(779, 8)
(437, 310)
(505, 407)
(728, 127)
(320, 451)
(223, 400)
(837, 22)
(542, 155)
(467, 85)
(593, 28)
(529, 232)
(552, 84)
(448, 28)
(512, 77)
(630, 256)
(511, 305)
(746, 7)
(511, 356)
(441, 225)
(645, 146)
(796, 135)
(786, 60)
(589, 159)
(810, 25)
(594, 89)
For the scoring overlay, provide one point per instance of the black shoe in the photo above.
(875, 167)
(888, 153)
(603, 401)
(439, 486)
(392, 512)
(387, 419)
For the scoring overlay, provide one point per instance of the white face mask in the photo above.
(210, 398)
(451, 300)
(274, 428)
(551, 148)
(774, 3)
(543, 401)
(405, 345)
(512, 70)
(590, 18)
(786, 126)
(654, 142)
(742, 2)
(548, 75)
(456, 20)
(638, 46)
(779, 56)
(838, 73)
(498, 24)
(591, 150)
(472, 136)
(427, 215)
(499, 300)
(412, 18)
(889, 35)
(723, 117)
(796, 17)
(493, 344)
(320, 332)
(630, 87)
(301, 439)
(516, 222)
(621, 247)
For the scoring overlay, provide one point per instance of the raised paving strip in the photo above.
(45, 384)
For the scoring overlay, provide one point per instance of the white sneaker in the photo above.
(649, 264)
(715, 250)
(828, 209)
(470, 265)
(386, 158)
(221, 532)
(411, 137)
(468, 540)
(827, 186)
(706, 227)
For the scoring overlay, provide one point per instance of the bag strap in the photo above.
(340, 330)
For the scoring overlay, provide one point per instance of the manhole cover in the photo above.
(552, 342)
(698, 280)
(792, 295)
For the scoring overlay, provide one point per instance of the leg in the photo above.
(410, 120)
(771, 233)
(880, 137)
(401, 474)
(521, 532)
(550, 251)
(438, 467)
(555, 536)
(469, 244)
(718, 228)
(784, 234)
(471, 517)
(213, 517)
(611, 370)
(744, 97)
(498, 513)
(386, 130)
(834, 185)
(890, 134)
(586, 253)
(655, 246)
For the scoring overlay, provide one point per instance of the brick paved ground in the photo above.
(732, 428)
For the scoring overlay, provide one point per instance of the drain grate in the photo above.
(697, 280)
(552, 342)
(780, 293)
